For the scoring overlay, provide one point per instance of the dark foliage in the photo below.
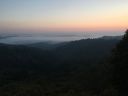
(119, 66)
(69, 69)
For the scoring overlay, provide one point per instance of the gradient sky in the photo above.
(63, 15)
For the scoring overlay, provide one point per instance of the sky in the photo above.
(63, 15)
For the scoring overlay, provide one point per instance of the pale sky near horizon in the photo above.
(63, 15)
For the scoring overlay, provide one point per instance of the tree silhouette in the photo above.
(119, 62)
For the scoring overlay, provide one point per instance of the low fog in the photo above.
(51, 37)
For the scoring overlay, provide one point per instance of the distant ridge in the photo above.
(112, 37)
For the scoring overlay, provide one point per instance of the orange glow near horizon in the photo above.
(72, 15)
(112, 23)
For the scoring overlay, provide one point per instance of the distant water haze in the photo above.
(51, 37)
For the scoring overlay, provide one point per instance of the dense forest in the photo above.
(90, 67)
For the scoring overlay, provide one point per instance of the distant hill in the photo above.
(85, 51)
(52, 45)
(56, 56)
(70, 68)
(112, 37)
(46, 45)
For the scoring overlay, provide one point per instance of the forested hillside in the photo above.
(70, 69)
